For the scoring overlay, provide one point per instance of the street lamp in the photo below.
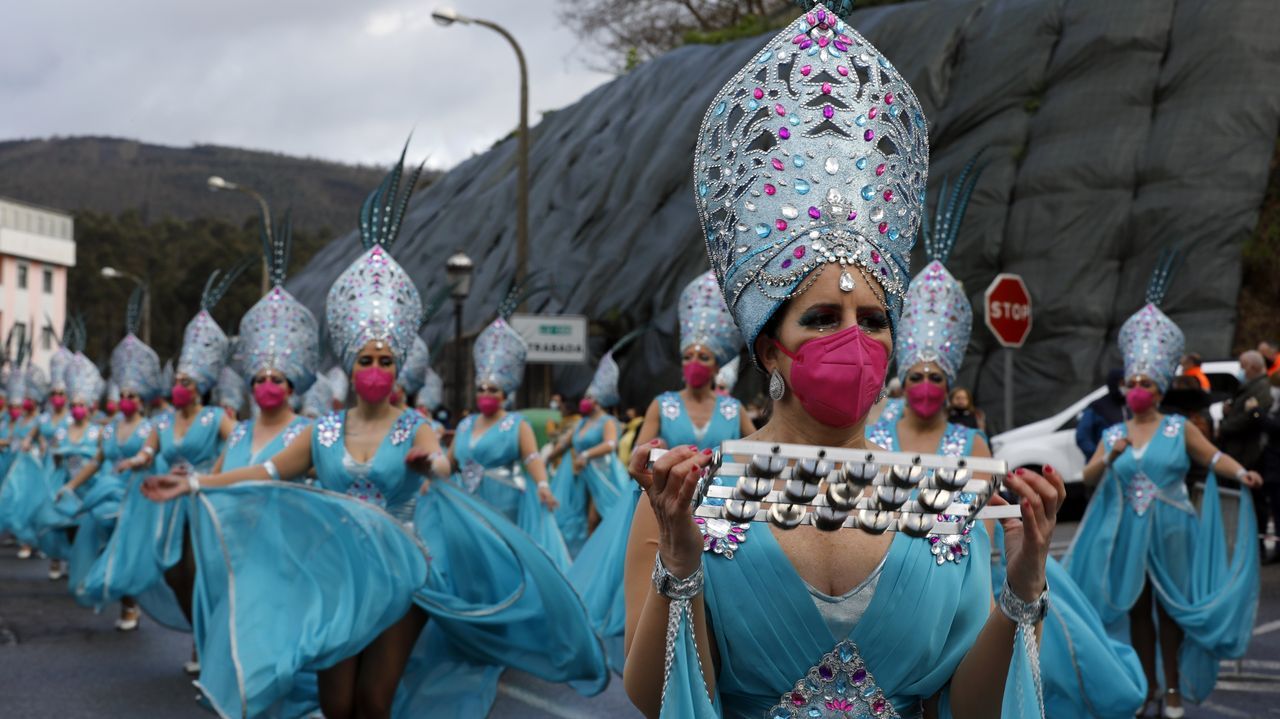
(448, 16)
(457, 270)
(216, 183)
(112, 273)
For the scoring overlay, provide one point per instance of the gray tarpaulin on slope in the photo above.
(1112, 130)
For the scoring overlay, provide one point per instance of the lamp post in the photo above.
(458, 269)
(216, 183)
(112, 273)
(448, 16)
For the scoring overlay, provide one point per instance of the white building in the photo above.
(37, 247)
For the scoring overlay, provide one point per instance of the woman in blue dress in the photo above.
(694, 416)
(27, 387)
(815, 278)
(1085, 673)
(341, 579)
(1144, 556)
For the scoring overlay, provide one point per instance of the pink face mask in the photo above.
(78, 413)
(696, 374)
(28, 404)
(586, 405)
(926, 398)
(15, 412)
(111, 407)
(373, 384)
(838, 378)
(1139, 400)
(269, 395)
(488, 404)
(181, 396)
(128, 406)
(58, 402)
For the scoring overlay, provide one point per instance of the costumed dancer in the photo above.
(810, 246)
(1085, 673)
(1142, 541)
(27, 390)
(334, 580)
(495, 451)
(727, 377)
(430, 398)
(694, 416)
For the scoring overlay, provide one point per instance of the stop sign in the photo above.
(1008, 309)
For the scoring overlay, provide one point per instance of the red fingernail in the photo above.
(654, 441)
(1020, 472)
(1048, 469)
(693, 447)
(706, 451)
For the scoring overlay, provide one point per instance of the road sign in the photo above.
(1008, 309)
(553, 339)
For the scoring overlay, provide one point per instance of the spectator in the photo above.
(1191, 368)
(963, 412)
(627, 441)
(1104, 412)
(1240, 434)
(1271, 452)
(1186, 398)
(1270, 351)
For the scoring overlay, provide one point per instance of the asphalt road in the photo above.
(59, 660)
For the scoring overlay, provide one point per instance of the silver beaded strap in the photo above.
(193, 483)
(272, 472)
(681, 593)
(1027, 615)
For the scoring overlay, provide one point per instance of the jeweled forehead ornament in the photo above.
(204, 344)
(814, 153)
(1150, 342)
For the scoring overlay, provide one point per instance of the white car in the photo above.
(1052, 440)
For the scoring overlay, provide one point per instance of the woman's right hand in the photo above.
(670, 485)
(164, 487)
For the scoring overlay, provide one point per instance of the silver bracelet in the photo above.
(1021, 612)
(1241, 473)
(193, 483)
(272, 472)
(532, 456)
(674, 588)
(612, 445)
(544, 484)
(147, 450)
(1214, 462)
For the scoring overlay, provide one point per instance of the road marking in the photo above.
(1231, 665)
(1225, 711)
(1266, 628)
(525, 696)
(1261, 687)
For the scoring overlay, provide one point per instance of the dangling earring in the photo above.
(884, 392)
(777, 387)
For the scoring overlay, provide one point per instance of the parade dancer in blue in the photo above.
(810, 247)
(1085, 672)
(336, 580)
(1143, 543)
(27, 389)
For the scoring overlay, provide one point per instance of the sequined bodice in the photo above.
(590, 433)
(199, 447)
(1155, 471)
(115, 447)
(49, 427)
(498, 446)
(240, 443)
(384, 480)
(677, 428)
(73, 453)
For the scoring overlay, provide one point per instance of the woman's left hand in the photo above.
(1251, 479)
(1027, 540)
(164, 487)
(579, 464)
(547, 498)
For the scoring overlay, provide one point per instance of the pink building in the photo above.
(37, 247)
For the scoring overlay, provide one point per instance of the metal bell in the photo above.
(767, 466)
(952, 479)
(800, 492)
(874, 522)
(812, 470)
(934, 500)
(829, 519)
(860, 474)
(741, 511)
(892, 497)
(842, 495)
(906, 476)
(915, 524)
(756, 488)
(786, 516)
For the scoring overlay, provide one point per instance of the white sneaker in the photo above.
(24, 552)
(57, 570)
(1172, 712)
(128, 620)
(192, 667)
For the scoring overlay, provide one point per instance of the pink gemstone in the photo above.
(875, 257)
(845, 39)
(770, 189)
(828, 112)
(784, 133)
(842, 47)
(777, 165)
(878, 706)
(888, 98)
(798, 252)
(781, 225)
(822, 15)
(758, 93)
(826, 88)
(780, 109)
(799, 38)
(884, 227)
(879, 169)
(823, 41)
(806, 44)
(873, 112)
(797, 698)
(813, 19)
(888, 195)
(844, 71)
(806, 70)
(869, 135)
(815, 213)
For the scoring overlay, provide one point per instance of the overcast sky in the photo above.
(337, 79)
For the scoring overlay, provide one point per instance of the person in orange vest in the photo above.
(1191, 368)
(1271, 353)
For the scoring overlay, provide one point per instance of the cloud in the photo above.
(324, 78)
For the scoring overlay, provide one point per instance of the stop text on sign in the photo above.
(1007, 304)
(1014, 311)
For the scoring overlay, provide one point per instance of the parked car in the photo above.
(1052, 441)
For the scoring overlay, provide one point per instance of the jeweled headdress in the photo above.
(374, 299)
(727, 377)
(499, 355)
(604, 385)
(815, 153)
(135, 367)
(278, 332)
(937, 317)
(204, 344)
(61, 358)
(431, 396)
(706, 321)
(84, 381)
(1150, 342)
(35, 385)
(415, 367)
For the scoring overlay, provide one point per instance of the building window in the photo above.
(46, 338)
(22, 277)
(47, 278)
(20, 332)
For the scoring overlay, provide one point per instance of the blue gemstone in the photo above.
(795, 119)
(798, 161)
(893, 233)
(802, 187)
(860, 120)
(766, 57)
(883, 62)
(752, 104)
(868, 192)
(846, 653)
(815, 712)
(869, 689)
(763, 230)
(861, 163)
(721, 107)
(780, 713)
(702, 189)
